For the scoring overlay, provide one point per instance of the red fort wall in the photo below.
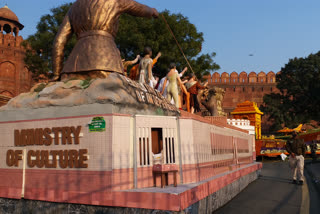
(242, 87)
(15, 78)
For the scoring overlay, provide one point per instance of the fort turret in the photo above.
(15, 77)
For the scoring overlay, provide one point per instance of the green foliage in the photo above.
(133, 35)
(299, 97)
(39, 46)
(40, 87)
(86, 83)
(136, 32)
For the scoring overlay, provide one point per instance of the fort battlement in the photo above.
(242, 87)
(243, 78)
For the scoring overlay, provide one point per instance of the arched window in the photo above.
(7, 28)
(7, 70)
(7, 93)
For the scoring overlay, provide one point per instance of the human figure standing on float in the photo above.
(174, 83)
(127, 63)
(193, 87)
(160, 86)
(134, 71)
(95, 24)
(145, 68)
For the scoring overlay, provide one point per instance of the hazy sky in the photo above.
(272, 31)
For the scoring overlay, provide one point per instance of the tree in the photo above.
(299, 97)
(276, 108)
(136, 33)
(39, 46)
(133, 35)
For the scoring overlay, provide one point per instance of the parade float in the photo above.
(98, 139)
(274, 145)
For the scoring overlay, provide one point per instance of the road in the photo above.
(273, 192)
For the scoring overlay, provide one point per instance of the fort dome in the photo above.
(7, 15)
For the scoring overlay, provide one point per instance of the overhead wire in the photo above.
(168, 26)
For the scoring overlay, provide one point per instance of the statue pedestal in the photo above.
(101, 153)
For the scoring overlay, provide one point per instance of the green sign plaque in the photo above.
(98, 124)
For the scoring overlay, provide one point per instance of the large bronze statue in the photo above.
(95, 23)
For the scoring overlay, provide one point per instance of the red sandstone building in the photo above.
(15, 77)
(243, 87)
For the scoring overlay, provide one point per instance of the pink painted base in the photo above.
(94, 188)
(10, 183)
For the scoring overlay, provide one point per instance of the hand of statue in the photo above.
(158, 55)
(155, 13)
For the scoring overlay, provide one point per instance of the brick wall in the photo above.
(15, 78)
(242, 87)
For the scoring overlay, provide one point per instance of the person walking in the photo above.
(296, 149)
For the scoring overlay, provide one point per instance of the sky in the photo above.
(246, 35)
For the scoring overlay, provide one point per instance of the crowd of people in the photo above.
(173, 86)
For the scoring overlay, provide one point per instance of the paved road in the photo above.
(273, 192)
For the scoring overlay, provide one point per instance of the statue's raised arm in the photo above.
(95, 23)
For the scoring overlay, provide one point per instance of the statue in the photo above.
(95, 23)
(209, 101)
(212, 100)
(219, 97)
(193, 87)
(174, 80)
(145, 67)
(94, 71)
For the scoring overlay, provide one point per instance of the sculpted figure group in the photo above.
(95, 55)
